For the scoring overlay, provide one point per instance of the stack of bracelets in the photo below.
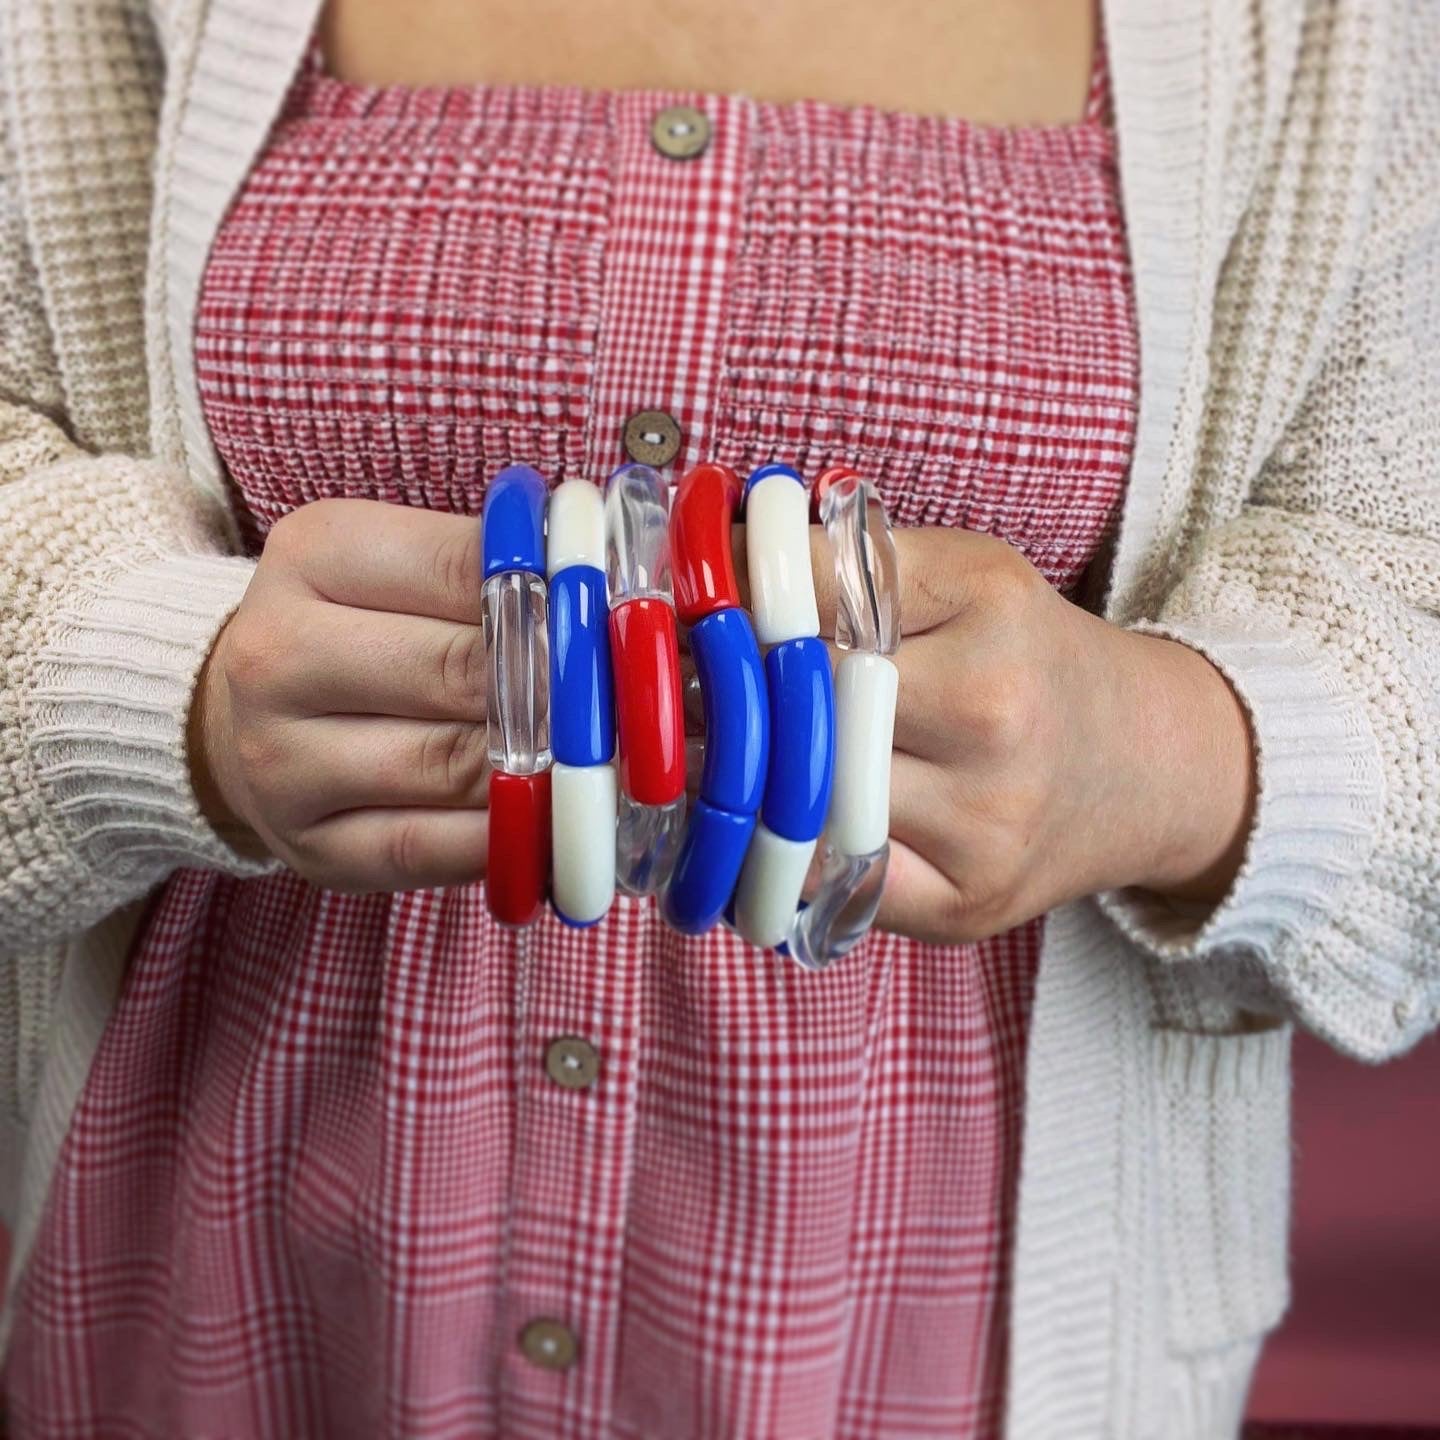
(792, 760)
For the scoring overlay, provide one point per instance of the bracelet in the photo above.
(512, 530)
(856, 849)
(802, 706)
(645, 653)
(582, 708)
(733, 696)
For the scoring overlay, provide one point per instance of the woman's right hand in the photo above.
(340, 717)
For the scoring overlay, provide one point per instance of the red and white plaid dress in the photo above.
(320, 1180)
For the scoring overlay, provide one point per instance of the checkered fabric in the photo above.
(319, 1180)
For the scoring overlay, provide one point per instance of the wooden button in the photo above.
(549, 1344)
(571, 1062)
(652, 438)
(681, 132)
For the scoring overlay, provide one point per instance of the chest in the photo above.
(989, 60)
(416, 287)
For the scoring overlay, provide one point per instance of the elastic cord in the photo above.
(733, 694)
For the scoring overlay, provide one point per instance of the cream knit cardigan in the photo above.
(1280, 163)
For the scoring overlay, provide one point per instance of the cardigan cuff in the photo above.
(1319, 790)
(108, 716)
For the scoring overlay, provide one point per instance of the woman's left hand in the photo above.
(1042, 753)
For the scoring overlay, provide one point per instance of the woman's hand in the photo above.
(1042, 753)
(339, 722)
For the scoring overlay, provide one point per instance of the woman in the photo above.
(311, 1147)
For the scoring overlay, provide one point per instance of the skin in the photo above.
(994, 61)
(1041, 753)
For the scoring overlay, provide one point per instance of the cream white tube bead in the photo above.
(770, 886)
(777, 552)
(575, 527)
(582, 809)
(865, 689)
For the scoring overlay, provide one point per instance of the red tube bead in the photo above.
(700, 556)
(649, 707)
(518, 872)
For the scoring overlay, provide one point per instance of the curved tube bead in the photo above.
(802, 738)
(650, 709)
(512, 521)
(582, 692)
(866, 567)
(846, 900)
(855, 850)
(647, 839)
(583, 812)
(637, 535)
(517, 692)
(737, 715)
(575, 527)
(706, 868)
(706, 500)
(519, 859)
(771, 882)
(865, 690)
(777, 552)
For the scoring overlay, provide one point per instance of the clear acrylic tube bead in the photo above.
(517, 696)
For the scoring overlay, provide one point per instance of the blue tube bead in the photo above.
(707, 868)
(737, 714)
(582, 687)
(512, 523)
(802, 738)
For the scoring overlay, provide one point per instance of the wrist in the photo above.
(1190, 759)
(206, 735)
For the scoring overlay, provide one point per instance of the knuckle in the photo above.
(456, 568)
(453, 757)
(462, 671)
(259, 751)
(973, 915)
(958, 919)
(1002, 711)
(252, 654)
(403, 847)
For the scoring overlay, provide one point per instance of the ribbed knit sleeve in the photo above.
(1320, 602)
(114, 588)
(114, 576)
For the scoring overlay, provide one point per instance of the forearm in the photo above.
(118, 585)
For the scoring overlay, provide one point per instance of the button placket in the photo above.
(673, 238)
(573, 1148)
